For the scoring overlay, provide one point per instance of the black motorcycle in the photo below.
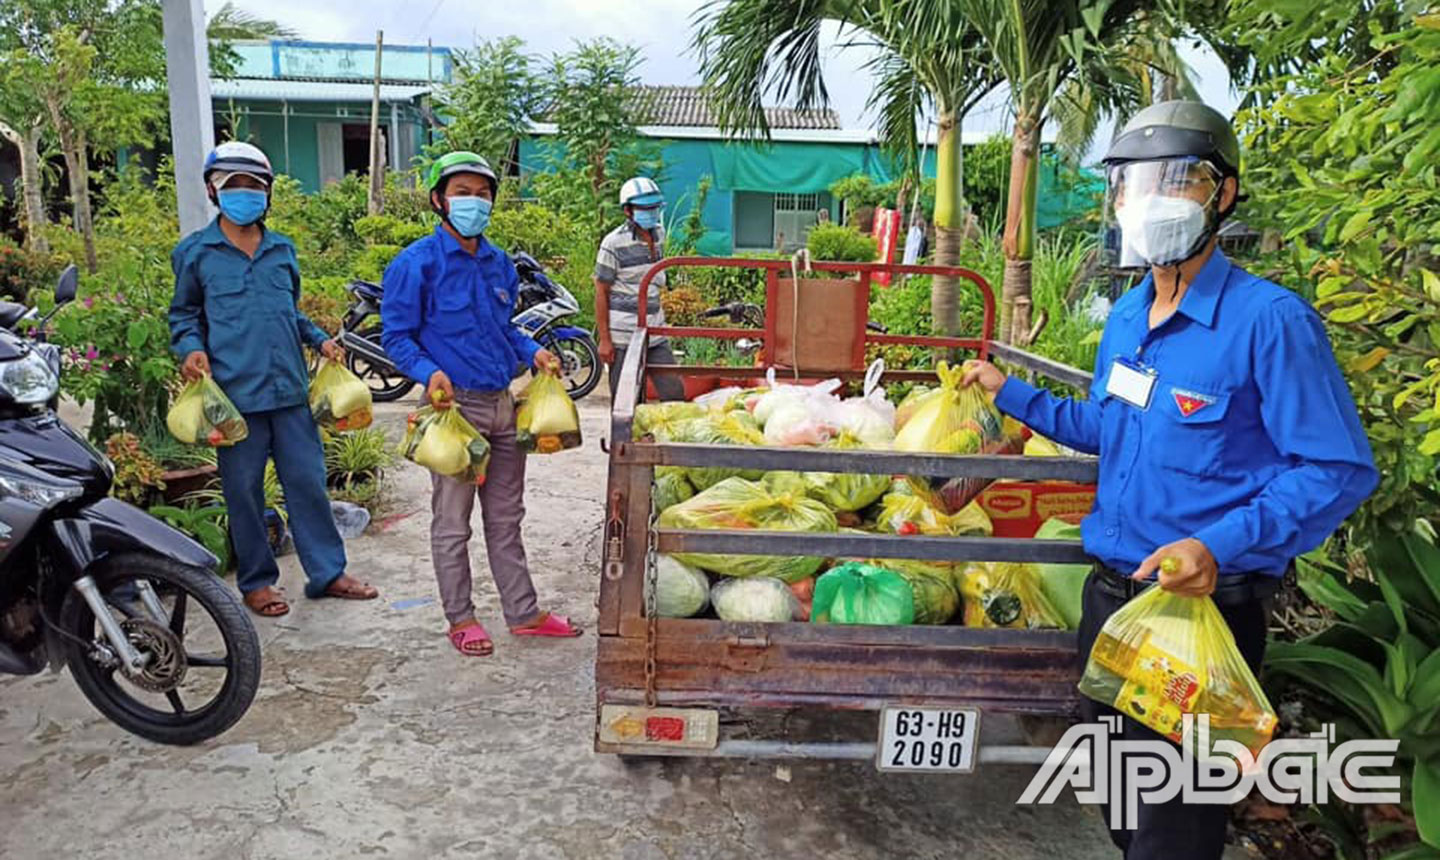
(539, 310)
(152, 636)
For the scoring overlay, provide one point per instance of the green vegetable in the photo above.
(736, 503)
(671, 487)
(681, 591)
(846, 492)
(936, 600)
(759, 599)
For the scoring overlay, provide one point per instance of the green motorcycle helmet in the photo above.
(461, 162)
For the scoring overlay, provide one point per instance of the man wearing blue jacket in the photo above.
(1228, 440)
(235, 315)
(449, 298)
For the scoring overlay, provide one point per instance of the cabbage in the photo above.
(671, 487)
(443, 450)
(757, 599)
(714, 429)
(783, 483)
(681, 591)
(736, 503)
(846, 491)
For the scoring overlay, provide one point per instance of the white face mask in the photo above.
(1161, 229)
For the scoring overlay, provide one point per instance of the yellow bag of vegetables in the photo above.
(1002, 594)
(339, 399)
(203, 415)
(548, 420)
(736, 503)
(954, 419)
(653, 418)
(846, 491)
(442, 441)
(904, 514)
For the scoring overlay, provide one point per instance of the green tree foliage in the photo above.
(1341, 158)
(488, 108)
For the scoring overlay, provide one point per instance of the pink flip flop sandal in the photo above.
(554, 627)
(466, 637)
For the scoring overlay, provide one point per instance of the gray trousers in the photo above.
(502, 509)
(668, 387)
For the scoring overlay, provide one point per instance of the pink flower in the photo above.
(105, 366)
(119, 298)
(89, 302)
(92, 353)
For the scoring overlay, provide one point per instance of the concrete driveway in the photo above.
(372, 737)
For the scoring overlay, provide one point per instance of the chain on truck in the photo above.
(662, 684)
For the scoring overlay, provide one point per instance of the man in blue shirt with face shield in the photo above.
(1228, 440)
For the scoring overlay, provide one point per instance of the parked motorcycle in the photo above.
(154, 639)
(540, 309)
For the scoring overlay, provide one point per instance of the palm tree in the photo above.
(230, 24)
(927, 60)
(1043, 47)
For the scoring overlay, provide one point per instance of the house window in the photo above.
(795, 214)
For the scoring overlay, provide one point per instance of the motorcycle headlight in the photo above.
(40, 490)
(28, 380)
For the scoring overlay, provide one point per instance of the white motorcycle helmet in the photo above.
(641, 191)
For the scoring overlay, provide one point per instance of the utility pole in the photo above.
(192, 125)
(377, 166)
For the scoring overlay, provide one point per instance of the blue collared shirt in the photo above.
(1251, 442)
(243, 313)
(447, 309)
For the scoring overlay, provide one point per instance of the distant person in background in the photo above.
(625, 255)
(235, 315)
(822, 216)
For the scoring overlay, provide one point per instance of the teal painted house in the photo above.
(307, 104)
(763, 196)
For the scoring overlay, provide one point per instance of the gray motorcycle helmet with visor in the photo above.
(1164, 181)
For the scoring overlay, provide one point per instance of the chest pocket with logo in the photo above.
(1188, 428)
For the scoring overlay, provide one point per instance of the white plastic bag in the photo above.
(870, 417)
(780, 394)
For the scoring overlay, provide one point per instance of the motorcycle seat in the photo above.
(11, 314)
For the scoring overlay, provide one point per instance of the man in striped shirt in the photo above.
(625, 255)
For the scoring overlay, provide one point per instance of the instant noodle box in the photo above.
(1018, 508)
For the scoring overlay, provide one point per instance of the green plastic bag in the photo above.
(856, 593)
(1063, 584)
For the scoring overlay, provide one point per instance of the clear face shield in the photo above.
(1159, 213)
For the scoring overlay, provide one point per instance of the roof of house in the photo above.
(312, 90)
(688, 107)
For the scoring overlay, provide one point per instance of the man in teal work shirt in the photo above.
(1227, 437)
(235, 316)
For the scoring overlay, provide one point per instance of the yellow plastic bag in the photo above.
(846, 492)
(442, 441)
(736, 503)
(651, 418)
(717, 428)
(1003, 594)
(548, 420)
(904, 514)
(339, 399)
(203, 415)
(1164, 655)
(953, 419)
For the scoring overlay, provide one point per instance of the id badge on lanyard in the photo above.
(1131, 382)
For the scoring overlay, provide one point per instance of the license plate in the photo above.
(928, 739)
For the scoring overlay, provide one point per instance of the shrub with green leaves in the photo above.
(841, 243)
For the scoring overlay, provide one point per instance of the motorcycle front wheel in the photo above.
(386, 383)
(580, 364)
(204, 656)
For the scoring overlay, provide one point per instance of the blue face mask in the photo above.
(647, 219)
(469, 215)
(243, 206)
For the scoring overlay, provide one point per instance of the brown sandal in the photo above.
(348, 588)
(267, 602)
